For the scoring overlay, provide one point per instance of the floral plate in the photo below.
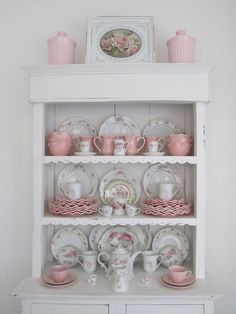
(78, 126)
(119, 182)
(161, 127)
(171, 237)
(67, 243)
(161, 173)
(142, 232)
(119, 126)
(119, 235)
(84, 174)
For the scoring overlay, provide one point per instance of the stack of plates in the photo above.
(157, 207)
(48, 281)
(65, 207)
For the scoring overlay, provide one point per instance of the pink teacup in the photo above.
(179, 149)
(179, 273)
(106, 146)
(133, 144)
(58, 272)
(59, 135)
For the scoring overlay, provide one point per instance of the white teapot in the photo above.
(119, 256)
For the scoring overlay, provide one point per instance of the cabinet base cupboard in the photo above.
(142, 92)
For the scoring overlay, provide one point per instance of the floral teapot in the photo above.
(119, 256)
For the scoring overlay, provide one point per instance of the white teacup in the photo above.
(131, 211)
(155, 146)
(168, 190)
(106, 210)
(150, 261)
(89, 261)
(84, 146)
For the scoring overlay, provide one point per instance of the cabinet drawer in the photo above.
(165, 309)
(69, 309)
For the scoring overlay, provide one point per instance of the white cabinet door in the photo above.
(165, 309)
(69, 309)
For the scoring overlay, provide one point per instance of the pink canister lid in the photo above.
(61, 37)
(181, 36)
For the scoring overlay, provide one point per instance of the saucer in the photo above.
(188, 282)
(154, 154)
(84, 153)
(48, 280)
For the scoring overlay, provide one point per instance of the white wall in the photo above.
(25, 26)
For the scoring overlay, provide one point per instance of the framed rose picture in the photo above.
(120, 39)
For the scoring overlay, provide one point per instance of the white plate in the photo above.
(84, 174)
(67, 243)
(119, 181)
(84, 153)
(78, 126)
(119, 126)
(161, 127)
(171, 236)
(154, 154)
(123, 235)
(142, 232)
(160, 173)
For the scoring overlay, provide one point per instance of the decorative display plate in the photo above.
(119, 182)
(78, 126)
(73, 208)
(119, 235)
(84, 174)
(67, 243)
(119, 126)
(142, 232)
(189, 282)
(172, 237)
(161, 173)
(161, 127)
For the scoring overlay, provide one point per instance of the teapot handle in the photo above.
(103, 265)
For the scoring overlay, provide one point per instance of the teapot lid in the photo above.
(120, 250)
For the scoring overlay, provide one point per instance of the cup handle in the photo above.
(162, 142)
(103, 265)
(137, 211)
(76, 143)
(142, 145)
(176, 189)
(161, 259)
(95, 144)
(189, 273)
(100, 211)
(78, 260)
(126, 145)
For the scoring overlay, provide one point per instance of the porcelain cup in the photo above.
(74, 190)
(178, 273)
(150, 261)
(106, 210)
(58, 272)
(59, 149)
(135, 144)
(120, 147)
(89, 261)
(131, 211)
(157, 144)
(92, 280)
(168, 190)
(59, 135)
(106, 144)
(83, 144)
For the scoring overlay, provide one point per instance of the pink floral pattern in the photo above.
(120, 43)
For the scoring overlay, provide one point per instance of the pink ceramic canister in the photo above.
(135, 144)
(106, 146)
(61, 49)
(60, 148)
(181, 48)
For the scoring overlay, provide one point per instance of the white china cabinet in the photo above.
(96, 92)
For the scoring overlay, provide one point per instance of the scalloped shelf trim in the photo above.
(121, 159)
(119, 221)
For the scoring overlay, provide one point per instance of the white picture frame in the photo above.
(120, 39)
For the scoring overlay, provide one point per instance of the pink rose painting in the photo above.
(120, 43)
